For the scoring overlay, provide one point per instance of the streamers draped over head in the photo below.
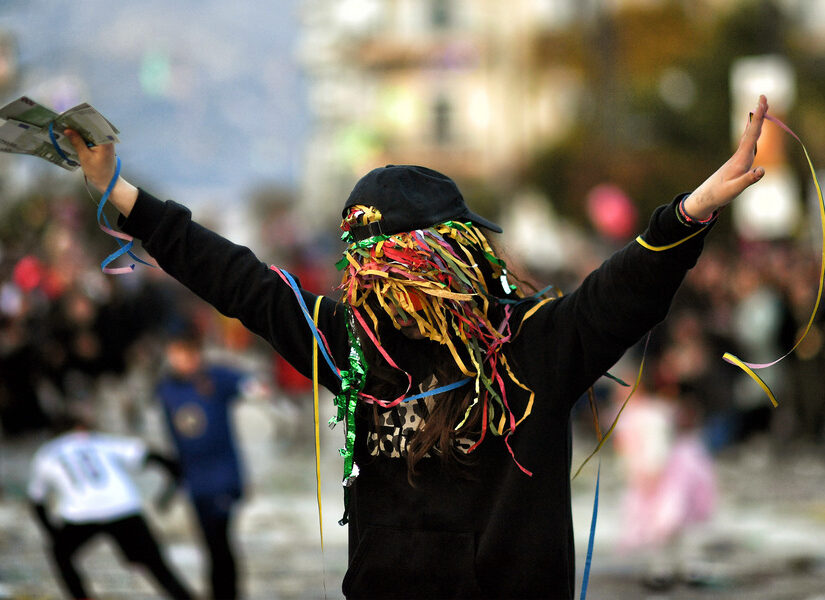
(436, 281)
(418, 259)
(424, 276)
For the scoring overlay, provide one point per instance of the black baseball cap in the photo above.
(410, 197)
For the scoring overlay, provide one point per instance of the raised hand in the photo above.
(732, 177)
(98, 164)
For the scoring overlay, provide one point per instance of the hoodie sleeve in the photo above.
(232, 279)
(584, 333)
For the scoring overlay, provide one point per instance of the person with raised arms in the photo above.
(454, 385)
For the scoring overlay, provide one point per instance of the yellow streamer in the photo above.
(619, 414)
(531, 312)
(736, 361)
(529, 408)
(317, 428)
(669, 246)
(748, 367)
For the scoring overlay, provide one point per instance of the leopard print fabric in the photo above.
(398, 424)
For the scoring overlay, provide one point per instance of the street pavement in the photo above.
(765, 541)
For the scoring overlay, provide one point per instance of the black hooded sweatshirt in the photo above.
(493, 532)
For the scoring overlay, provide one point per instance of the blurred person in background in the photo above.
(20, 409)
(87, 477)
(787, 272)
(808, 385)
(761, 327)
(670, 484)
(24, 302)
(688, 361)
(450, 381)
(197, 398)
(699, 329)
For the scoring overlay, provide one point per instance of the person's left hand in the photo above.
(734, 176)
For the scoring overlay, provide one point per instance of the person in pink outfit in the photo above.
(671, 483)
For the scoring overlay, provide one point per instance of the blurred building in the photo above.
(472, 88)
(448, 83)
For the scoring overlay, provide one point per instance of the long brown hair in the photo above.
(435, 436)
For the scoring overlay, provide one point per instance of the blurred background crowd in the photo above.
(566, 121)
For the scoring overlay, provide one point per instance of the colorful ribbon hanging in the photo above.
(591, 541)
(748, 367)
(316, 419)
(125, 248)
(603, 438)
(105, 226)
(58, 149)
(352, 382)
(430, 278)
(316, 333)
(316, 415)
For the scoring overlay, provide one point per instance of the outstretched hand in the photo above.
(734, 176)
(98, 164)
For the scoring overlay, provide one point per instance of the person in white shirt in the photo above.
(84, 477)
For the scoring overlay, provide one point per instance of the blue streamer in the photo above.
(127, 245)
(586, 575)
(125, 248)
(321, 345)
(443, 388)
(57, 147)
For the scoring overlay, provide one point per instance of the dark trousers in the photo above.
(214, 515)
(136, 542)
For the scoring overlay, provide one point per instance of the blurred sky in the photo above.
(207, 94)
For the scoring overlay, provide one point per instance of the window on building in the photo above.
(442, 120)
(441, 13)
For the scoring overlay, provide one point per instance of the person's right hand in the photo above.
(98, 164)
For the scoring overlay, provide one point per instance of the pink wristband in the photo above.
(691, 220)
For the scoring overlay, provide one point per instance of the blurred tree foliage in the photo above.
(628, 133)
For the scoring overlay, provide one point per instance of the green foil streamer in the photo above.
(352, 382)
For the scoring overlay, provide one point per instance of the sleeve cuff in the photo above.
(144, 218)
(667, 225)
(686, 219)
